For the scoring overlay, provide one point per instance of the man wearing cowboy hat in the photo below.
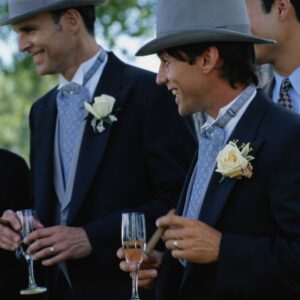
(88, 168)
(236, 233)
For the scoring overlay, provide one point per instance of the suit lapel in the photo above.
(94, 144)
(43, 158)
(245, 132)
(218, 193)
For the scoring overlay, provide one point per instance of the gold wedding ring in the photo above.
(175, 244)
(52, 250)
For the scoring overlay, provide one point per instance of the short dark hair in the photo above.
(88, 14)
(267, 6)
(238, 59)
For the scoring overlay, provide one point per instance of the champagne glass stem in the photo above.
(30, 273)
(135, 295)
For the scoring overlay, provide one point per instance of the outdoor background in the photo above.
(122, 26)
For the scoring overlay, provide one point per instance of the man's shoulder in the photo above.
(51, 94)
(9, 159)
(280, 119)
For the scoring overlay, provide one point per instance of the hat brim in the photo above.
(48, 8)
(198, 36)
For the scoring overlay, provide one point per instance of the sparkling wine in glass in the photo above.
(29, 222)
(134, 243)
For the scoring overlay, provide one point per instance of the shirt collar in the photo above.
(81, 71)
(294, 79)
(211, 121)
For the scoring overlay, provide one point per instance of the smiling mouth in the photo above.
(34, 54)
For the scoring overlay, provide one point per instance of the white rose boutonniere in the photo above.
(234, 161)
(101, 110)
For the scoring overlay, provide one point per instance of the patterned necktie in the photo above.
(71, 114)
(211, 142)
(284, 98)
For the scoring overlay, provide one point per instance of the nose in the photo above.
(24, 43)
(161, 77)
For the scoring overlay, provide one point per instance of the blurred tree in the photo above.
(20, 86)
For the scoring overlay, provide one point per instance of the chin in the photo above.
(43, 71)
(183, 112)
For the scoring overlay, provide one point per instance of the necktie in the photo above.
(71, 114)
(211, 142)
(284, 98)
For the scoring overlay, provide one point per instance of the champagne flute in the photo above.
(29, 222)
(134, 243)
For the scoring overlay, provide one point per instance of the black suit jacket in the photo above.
(15, 195)
(259, 218)
(137, 164)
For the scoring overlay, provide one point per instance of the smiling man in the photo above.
(85, 176)
(236, 231)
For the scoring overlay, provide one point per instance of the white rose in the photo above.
(231, 163)
(101, 107)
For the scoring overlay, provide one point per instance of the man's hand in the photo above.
(56, 244)
(10, 231)
(190, 239)
(148, 270)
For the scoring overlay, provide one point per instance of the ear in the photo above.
(71, 21)
(209, 60)
(282, 8)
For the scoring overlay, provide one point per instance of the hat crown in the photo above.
(19, 7)
(19, 10)
(174, 16)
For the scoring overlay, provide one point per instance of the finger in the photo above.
(179, 254)
(40, 244)
(121, 253)
(44, 253)
(13, 219)
(172, 220)
(146, 284)
(174, 244)
(38, 234)
(146, 278)
(174, 234)
(147, 274)
(38, 225)
(128, 267)
(10, 236)
(8, 244)
(60, 257)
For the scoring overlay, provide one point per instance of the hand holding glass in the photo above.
(134, 243)
(29, 222)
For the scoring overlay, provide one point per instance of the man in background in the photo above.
(279, 20)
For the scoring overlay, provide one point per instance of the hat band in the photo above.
(241, 28)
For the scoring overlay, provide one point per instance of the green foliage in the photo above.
(133, 17)
(20, 86)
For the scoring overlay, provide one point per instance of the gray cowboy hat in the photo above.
(19, 10)
(185, 22)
